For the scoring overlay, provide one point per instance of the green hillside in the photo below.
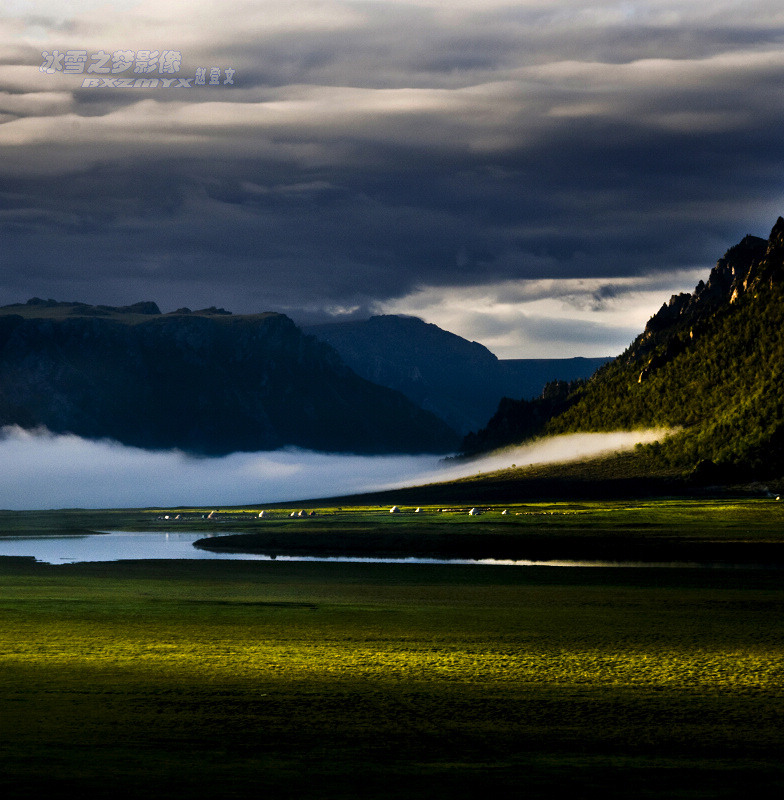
(709, 365)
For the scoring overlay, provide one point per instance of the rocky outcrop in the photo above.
(728, 279)
(749, 266)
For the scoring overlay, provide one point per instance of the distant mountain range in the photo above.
(210, 382)
(709, 363)
(206, 382)
(460, 381)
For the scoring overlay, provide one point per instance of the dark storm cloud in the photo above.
(368, 150)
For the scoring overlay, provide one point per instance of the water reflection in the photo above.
(123, 545)
(108, 546)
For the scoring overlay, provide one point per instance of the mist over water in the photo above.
(41, 470)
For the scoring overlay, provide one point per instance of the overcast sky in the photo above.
(538, 176)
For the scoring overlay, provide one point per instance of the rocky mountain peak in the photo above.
(777, 234)
(742, 267)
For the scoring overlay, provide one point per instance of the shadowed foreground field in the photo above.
(296, 680)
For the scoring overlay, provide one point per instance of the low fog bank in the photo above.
(551, 450)
(42, 470)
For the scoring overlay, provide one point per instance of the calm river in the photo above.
(122, 545)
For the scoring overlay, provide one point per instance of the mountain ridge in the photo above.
(206, 382)
(458, 380)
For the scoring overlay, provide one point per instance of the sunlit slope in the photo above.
(709, 363)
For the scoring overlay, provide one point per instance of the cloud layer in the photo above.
(368, 152)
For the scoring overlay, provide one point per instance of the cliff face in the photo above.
(727, 280)
(205, 382)
(752, 265)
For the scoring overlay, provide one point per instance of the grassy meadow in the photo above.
(207, 679)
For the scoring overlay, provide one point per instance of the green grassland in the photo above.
(208, 679)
